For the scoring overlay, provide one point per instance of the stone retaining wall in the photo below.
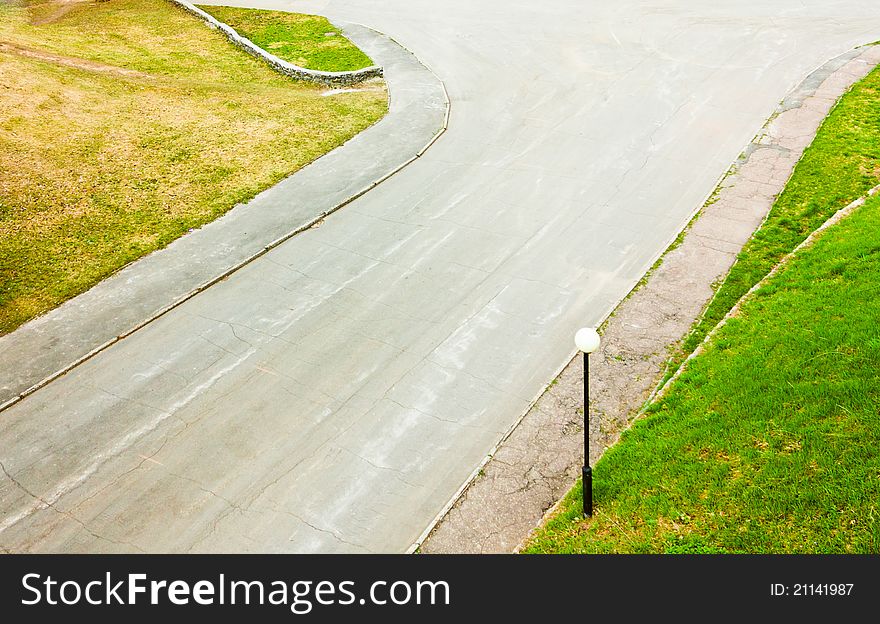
(335, 79)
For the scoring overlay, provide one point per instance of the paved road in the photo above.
(334, 394)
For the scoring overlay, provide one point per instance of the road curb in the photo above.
(316, 220)
(734, 311)
(794, 99)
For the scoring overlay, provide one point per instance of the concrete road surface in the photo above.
(334, 394)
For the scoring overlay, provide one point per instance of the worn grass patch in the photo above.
(123, 124)
(768, 442)
(306, 40)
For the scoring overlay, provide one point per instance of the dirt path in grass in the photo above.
(64, 7)
(69, 61)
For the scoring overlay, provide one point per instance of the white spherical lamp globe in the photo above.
(587, 339)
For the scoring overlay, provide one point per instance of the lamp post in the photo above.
(587, 340)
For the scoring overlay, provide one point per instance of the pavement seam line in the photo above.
(241, 264)
(752, 146)
(814, 236)
(661, 390)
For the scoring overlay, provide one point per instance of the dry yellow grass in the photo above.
(125, 123)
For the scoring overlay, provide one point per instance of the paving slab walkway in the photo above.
(542, 457)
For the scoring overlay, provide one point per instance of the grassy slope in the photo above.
(767, 442)
(840, 165)
(99, 168)
(305, 40)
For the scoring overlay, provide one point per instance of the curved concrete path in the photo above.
(334, 394)
(539, 462)
(141, 290)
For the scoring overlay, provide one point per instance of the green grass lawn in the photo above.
(306, 40)
(124, 124)
(768, 442)
(840, 165)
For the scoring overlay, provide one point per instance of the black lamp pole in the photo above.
(587, 340)
(588, 471)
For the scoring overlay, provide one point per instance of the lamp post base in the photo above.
(588, 492)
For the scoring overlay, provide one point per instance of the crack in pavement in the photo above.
(42, 503)
(539, 460)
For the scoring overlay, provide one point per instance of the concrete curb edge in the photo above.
(662, 388)
(845, 56)
(218, 278)
(734, 311)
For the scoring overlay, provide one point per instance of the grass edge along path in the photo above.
(764, 444)
(660, 507)
(152, 128)
(309, 41)
(840, 165)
